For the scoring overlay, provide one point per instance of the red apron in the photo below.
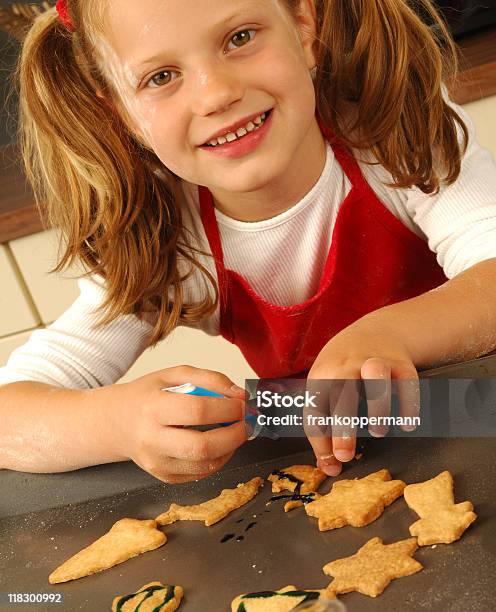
(373, 260)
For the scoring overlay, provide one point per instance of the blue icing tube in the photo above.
(250, 418)
(190, 389)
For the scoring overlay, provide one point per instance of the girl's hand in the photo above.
(365, 350)
(148, 423)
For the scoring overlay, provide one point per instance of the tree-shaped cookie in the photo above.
(356, 502)
(126, 539)
(372, 568)
(441, 520)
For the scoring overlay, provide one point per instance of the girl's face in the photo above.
(189, 70)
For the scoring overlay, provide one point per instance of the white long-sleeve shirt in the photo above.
(282, 258)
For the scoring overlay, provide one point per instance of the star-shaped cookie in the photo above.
(372, 568)
(441, 520)
(355, 502)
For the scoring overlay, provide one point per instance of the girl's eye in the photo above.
(164, 77)
(241, 38)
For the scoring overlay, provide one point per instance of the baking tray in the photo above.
(279, 549)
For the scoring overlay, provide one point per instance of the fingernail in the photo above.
(377, 433)
(327, 460)
(343, 454)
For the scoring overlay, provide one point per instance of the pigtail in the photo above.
(109, 196)
(382, 65)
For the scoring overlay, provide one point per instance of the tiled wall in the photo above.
(30, 297)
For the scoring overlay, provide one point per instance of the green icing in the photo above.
(169, 594)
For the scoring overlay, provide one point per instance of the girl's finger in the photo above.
(408, 390)
(190, 470)
(344, 434)
(319, 435)
(376, 376)
(201, 446)
(177, 409)
(326, 461)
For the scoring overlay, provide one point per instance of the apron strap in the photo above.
(207, 211)
(345, 158)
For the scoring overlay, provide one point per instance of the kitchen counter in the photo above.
(477, 76)
(19, 215)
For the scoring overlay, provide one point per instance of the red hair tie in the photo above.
(64, 17)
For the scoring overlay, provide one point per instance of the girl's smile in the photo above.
(195, 78)
(243, 140)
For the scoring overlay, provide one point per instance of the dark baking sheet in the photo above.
(280, 549)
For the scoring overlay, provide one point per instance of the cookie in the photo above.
(278, 601)
(372, 568)
(302, 480)
(215, 509)
(151, 597)
(301, 500)
(127, 538)
(355, 502)
(441, 520)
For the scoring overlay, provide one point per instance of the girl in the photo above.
(287, 173)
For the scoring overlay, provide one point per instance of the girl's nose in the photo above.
(216, 89)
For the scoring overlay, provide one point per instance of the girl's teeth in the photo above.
(230, 137)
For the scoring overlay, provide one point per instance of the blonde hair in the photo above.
(112, 198)
(381, 66)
